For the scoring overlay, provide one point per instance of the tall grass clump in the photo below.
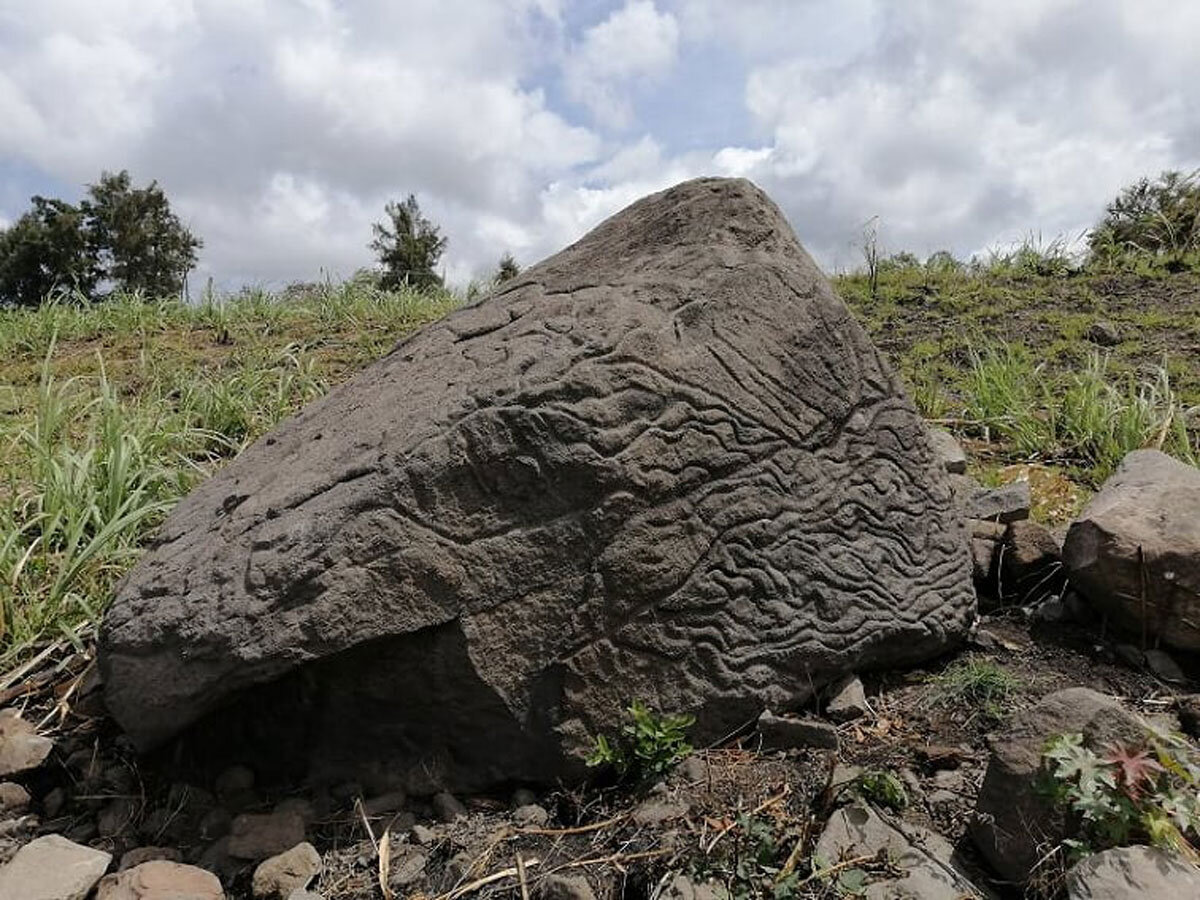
(113, 411)
(1090, 418)
(86, 477)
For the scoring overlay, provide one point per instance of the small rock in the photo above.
(1134, 550)
(1014, 820)
(948, 451)
(1130, 655)
(941, 756)
(52, 868)
(1052, 610)
(53, 802)
(694, 770)
(304, 895)
(408, 865)
(133, 858)
(1161, 664)
(924, 859)
(447, 807)
(458, 867)
(563, 887)
(1132, 872)
(849, 702)
(784, 733)
(116, 816)
(523, 797)
(655, 812)
(1008, 503)
(949, 780)
(391, 802)
(423, 835)
(276, 878)
(1103, 334)
(216, 858)
(21, 747)
(943, 797)
(161, 879)
(1031, 566)
(299, 805)
(235, 788)
(14, 799)
(844, 774)
(531, 816)
(684, 888)
(983, 560)
(1188, 707)
(215, 823)
(258, 836)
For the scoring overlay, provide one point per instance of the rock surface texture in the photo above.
(663, 464)
(1125, 873)
(1134, 551)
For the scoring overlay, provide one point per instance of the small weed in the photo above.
(648, 746)
(978, 685)
(1128, 794)
(882, 788)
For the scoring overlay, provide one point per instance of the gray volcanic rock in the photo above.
(1134, 551)
(664, 464)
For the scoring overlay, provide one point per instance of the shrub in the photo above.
(1151, 218)
(648, 746)
(1129, 794)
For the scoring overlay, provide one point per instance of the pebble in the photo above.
(14, 799)
(21, 747)
(258, 836)
(447, 807)
(52, 868)
(531, 816)
(161, 879)
(278, 877)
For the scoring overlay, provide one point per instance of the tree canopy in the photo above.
(117, 238)
(1157, 217)
(408, 246)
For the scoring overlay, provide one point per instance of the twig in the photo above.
(385, 863)
(521, 878)
(611, 858)
(581, 829)
(490, 879)
(845, 864)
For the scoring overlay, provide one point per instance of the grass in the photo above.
(976, 684)
(114, 411)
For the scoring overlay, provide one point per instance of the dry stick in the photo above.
(521, 878)
(581, 829)
(1166, 427)
(846, 864)
(384, 850)
(484, 882)
(611, 858)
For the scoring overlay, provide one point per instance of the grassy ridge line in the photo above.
(111, 412)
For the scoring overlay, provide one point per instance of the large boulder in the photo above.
(664, 464)
(1134, 551)
(1133, 872)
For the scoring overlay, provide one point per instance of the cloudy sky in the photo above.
(279, 128)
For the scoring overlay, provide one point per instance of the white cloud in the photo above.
(280, 130)
(635, 42)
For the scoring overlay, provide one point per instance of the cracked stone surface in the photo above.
(663, 464)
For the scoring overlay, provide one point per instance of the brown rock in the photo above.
(14, 799)
(1134, 551)
(1133, 873)
(277, 877)
(258, 836)
(133, 858)
(1031, 566)
(161, 879)
(21, 747)
(52, 868)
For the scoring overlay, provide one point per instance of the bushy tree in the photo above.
(507, 269)
(118, 238)
(1160, 217)
(45, 251)
(409, 247)
(140, 244)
